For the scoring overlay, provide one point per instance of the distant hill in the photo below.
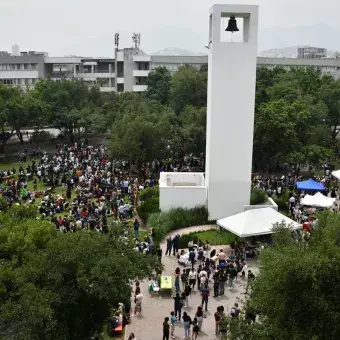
(176, 51)
(320, 35)
(287, 52)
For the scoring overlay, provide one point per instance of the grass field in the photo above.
(214, 237)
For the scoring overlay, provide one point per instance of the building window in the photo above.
(25, 66)
(13, 66)
(33, 66)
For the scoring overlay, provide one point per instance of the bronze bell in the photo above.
(232, 25)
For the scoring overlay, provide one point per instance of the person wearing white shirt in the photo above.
(192, 278)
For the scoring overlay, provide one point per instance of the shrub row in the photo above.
(164, 223)
(257, 196)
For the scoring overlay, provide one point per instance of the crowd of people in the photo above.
(78, 187)
(209, 275)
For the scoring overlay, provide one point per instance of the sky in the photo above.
(87, 27)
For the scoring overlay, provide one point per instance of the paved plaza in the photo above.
(148, 325)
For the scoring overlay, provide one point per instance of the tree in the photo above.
(61, 286)
(158, 83)
(143, 131)
(190, 134)
(68, 101)
(296, 292)
(188, 87)
(331, 97)
(274, 131)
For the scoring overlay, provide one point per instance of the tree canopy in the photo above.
(296, 292)
(159, 85)
(61, 286)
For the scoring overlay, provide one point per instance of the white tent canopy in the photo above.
(318, 200)
(255, 222)
(336, 174)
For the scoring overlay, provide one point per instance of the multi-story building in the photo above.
(309, 52)
(25, 69)
(127, 71)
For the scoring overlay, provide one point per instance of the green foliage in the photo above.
(143, 131)
(179, 218)
(214, 237)
(296, 292)
(190, 136)
(19, 109)
(282, 204)
(149, 193)
(188, 87)
(61, 286)
(257, 196)
(148, 207)
(159, 85)
(39, 136)
(294, 112)
(75, 108)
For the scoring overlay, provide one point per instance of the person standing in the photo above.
(195, 331)
(222, 257)
(205, 297)
(217, 316)
(177, 289)
(136, 228)
(184, 278)
(251, 277)
(166, 329)
(168, 246)
(216, 284)
(178, 306)
(172, 324)
(186, 322)
(192, 278)
(199, 317)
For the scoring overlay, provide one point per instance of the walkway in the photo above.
(148, 325)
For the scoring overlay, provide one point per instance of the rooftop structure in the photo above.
(182, 189)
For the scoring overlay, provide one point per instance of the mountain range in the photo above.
(272, 42)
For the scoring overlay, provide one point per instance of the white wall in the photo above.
(181, 197)
(230, 114)
(173, 178)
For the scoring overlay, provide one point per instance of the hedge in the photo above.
(147, 193)
(178, 218)
(257, 196)
(281, 204)
(146, 208)
(149, 203)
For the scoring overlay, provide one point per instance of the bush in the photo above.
(281, 204)
(257, 196)
(149, 193)
(39, 136)
(214, 237)
(146, 208)
(178, 218)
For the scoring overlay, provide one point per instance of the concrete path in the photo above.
(148, 325)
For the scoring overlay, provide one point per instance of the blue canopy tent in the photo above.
(310, 185)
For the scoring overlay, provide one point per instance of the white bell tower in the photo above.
(231, 104)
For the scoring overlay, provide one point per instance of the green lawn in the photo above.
(214, 237)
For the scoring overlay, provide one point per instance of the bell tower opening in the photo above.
(234, 27)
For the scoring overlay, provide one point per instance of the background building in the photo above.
(309, 52)
(129, 68)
